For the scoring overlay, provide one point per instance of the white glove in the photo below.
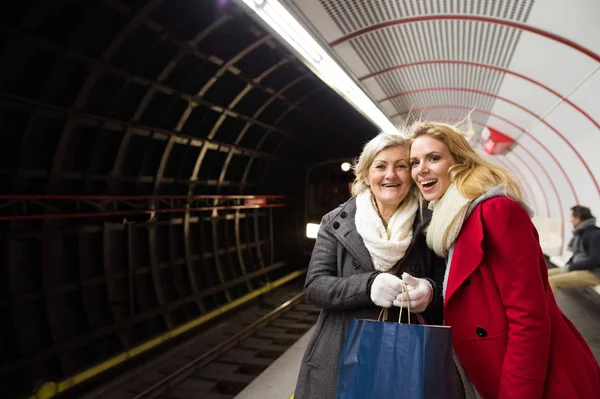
(385, 289)
(420, 294)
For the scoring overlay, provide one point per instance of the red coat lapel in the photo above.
(468, 252)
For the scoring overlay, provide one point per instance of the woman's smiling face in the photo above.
(430, 160)
(389, 178)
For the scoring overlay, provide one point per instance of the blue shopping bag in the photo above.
(392, 360)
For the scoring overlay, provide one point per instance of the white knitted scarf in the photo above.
(448, 216)
(386, 246)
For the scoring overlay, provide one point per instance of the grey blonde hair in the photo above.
(379, 143)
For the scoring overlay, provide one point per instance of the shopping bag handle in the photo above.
(384, 311)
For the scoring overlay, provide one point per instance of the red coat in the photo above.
(510, 336)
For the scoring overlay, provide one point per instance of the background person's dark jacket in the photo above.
(587, 255)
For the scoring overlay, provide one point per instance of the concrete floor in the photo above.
(582, 307)
(278, 381)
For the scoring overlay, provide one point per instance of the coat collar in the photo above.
(342, 225)
(469, 245)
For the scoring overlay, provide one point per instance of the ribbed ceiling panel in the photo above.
(387, 51)
(352, 15)
(445, 97)
(437, 40)
(424, 42)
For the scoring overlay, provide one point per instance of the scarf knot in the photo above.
(385, 245)
(448, 216)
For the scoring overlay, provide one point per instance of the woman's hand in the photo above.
(420, 293)
(385, 289)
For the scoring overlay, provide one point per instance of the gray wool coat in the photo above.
(338, 281)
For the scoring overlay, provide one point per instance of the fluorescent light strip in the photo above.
(280, 20)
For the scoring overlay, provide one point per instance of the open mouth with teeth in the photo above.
(428, 183)
(390, 185)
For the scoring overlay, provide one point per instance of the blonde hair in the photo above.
(472, 175)
(379, 143)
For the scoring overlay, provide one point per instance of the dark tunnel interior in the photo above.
(111, 108)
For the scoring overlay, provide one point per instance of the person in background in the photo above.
(511, 339)
(583, 269)
(362, 250)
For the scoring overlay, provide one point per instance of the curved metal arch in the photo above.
(225, 67)
(191, 48)
(562, 215)
(529, 197)
(183, 51)
(547, 203)
(109, 278)
(233, 60)
(120, 125)
(263, 138)
(560, 204)
(88, 84)
(262, 108)
(191, 273)
(257, 242)
(157, 86)
(256, 115)
(138, 19)
(96, 64)
(211, 135)
(31, 17)
(513, 169)
(535, 178)
(518, 25)
(527, 110)
(249, 122)
(247, 125)
(487, 66)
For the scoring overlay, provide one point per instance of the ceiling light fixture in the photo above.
(289, 29)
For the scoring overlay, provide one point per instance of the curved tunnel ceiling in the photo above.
(529, 69)
(179, 98)
(79, 76)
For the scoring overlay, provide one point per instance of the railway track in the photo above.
(222, 362)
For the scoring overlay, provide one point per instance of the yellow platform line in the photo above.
(50, 389)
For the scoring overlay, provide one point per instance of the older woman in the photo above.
(363, 248)
(510, 336)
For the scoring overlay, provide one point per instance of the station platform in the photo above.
(279, 380)
(583, 309)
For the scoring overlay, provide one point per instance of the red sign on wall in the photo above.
(496, 143)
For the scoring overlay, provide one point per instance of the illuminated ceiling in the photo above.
(526, 68)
